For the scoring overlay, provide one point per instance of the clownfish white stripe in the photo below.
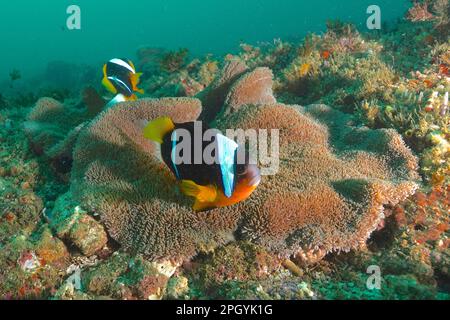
(122, 63)
(121, 82)
(173, 155)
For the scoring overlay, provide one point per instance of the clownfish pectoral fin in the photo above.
(141, 91)
(135, 79)
(203, 194)
(138, 90)
(133, 97)
(158, 128)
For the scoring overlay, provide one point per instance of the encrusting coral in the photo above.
(419, 111)
(328, 195)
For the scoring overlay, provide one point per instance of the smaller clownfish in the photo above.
(120, 78)
(213, 185)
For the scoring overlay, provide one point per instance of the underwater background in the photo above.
(36, 34)
(359, 208)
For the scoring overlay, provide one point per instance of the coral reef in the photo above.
(275, 55)
(31, 267)
(133, 278)
(76, 227)
(338, 69)
(121, 229)
(20, 206)
(174, 61)
(173, 74)
(136, 197)
(437, 11)
(419, 110)
(419, 12)
(53, 128)
(234, 262)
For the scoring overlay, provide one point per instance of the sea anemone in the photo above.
(329, 193)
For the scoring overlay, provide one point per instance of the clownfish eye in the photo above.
(241, 170)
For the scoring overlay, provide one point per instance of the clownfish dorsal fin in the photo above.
(158, 128)
(132, 65)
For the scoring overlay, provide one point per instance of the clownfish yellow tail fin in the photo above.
(203, 194)
(158, 128)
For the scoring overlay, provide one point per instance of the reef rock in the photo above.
(333, 182)
(74, 225)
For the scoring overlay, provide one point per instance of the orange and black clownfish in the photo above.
(223, 183)
(120, 78)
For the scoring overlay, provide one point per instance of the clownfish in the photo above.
(120, 78)
(214, 184)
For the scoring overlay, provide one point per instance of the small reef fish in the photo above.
(304, 69)
(225, 182)
(15, 75)
(120, 78)
(326, 54)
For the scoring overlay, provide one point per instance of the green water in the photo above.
(34, 33)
